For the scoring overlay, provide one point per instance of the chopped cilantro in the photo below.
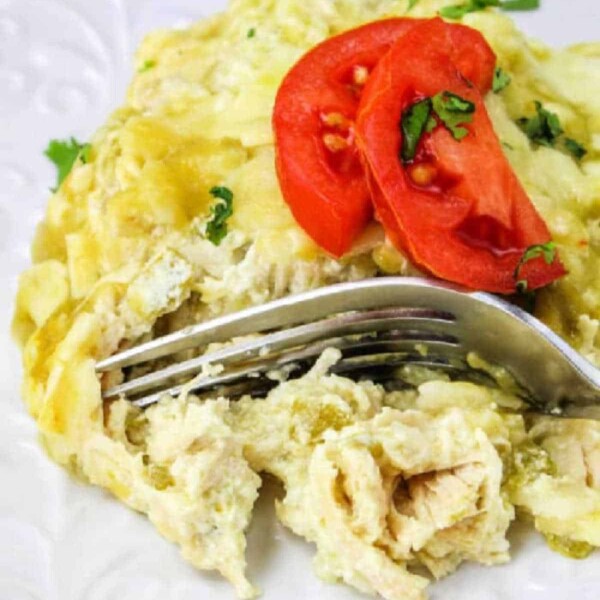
(251, 33)
(501, 80)
(453, 111)
(458, 11)
(411, 4)
(520, 4)
(216, 228)
(574, 148)
(544, 129)
(147, 65)
(64, 153)
(547, 251)
(413, 125)
(85, 154)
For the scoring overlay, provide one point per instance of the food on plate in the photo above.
(210, 191)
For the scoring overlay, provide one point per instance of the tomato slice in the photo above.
(319, 166)
(458, 210)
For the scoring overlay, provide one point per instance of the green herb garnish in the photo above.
(547, 251)
(520, 4)
(251, 33)
(147, 65)
(411, 4)
(64, 154)
(413, 126)
(574, 148)
(544, 129)
(501, 80)
(458, 11)
(216, 228)
(454, 112)
(85, 154)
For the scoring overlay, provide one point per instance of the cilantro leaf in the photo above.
(411, 4)
(222, 193)
(574, 148)
(64, 153)
(520, 4)
(86, 153)
(414, 123)
(251, 33)
(547, 251)
(453, 111)
(501, 80)
(431, 124)
(544, 128)
(455, 12)
(458, 11)
(216, 228)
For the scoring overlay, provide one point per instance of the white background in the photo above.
(64, 65)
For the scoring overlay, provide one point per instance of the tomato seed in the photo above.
(360, 75)
(423, 174)
(335, 143)
(336, 119)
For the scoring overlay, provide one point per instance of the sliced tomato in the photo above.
(318, 164)
(458, 210)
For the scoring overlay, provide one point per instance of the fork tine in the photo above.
(326, 331)
(357, 357)
(287, 312)
(242, 378)
(351, 346)
(245, 380)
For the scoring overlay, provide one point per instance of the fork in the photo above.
(379, 325)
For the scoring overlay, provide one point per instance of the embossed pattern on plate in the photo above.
(64, 64)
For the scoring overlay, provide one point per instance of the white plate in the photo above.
(64, 65)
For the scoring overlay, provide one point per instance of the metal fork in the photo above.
(379, 325)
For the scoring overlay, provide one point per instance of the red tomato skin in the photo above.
(436, 229)
(334, 205)
(473, 56)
